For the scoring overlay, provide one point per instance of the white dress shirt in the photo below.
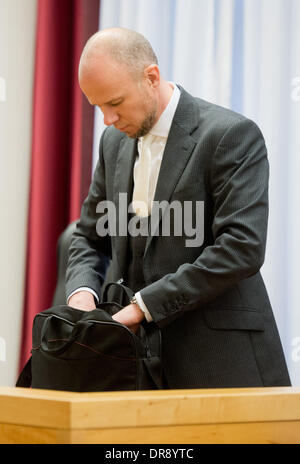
(158, 137)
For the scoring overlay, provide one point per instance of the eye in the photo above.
(116, 103)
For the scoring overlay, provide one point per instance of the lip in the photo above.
(122, 129)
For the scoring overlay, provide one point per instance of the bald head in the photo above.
(124, 46)
(118, 72)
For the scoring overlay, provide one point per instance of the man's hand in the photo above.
(82, 300)
(131, 316)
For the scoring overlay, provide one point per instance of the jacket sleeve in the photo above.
(89, 254)
(239, 188)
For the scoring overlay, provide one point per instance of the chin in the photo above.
(130, 134)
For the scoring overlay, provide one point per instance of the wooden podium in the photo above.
(251, 415)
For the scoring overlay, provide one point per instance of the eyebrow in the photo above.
(109, 102)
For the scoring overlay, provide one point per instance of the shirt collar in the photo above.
(163, 125)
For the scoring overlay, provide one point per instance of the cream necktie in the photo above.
(140, 200)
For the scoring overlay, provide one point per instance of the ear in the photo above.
(152, 75)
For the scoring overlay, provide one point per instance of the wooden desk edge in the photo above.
(103, 410)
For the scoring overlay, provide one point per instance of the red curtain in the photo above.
(62, 140)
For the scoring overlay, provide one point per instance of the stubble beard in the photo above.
(147, 124)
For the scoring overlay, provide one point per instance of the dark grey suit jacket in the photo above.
(218, 329)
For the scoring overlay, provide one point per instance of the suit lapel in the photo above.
(123, 187)
(176, 155)
(178, 150)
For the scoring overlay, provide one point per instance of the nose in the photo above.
(110, 116)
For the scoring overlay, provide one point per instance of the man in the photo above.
(163, 145)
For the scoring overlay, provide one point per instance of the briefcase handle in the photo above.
(125, 289)
(46, 330)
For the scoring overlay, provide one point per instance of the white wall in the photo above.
(17, 49)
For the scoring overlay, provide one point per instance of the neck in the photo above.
(165, 94)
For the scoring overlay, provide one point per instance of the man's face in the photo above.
(126, 102)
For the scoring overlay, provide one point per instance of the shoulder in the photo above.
(225, 119)
(214, 120)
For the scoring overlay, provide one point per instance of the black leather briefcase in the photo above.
(82, 351)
